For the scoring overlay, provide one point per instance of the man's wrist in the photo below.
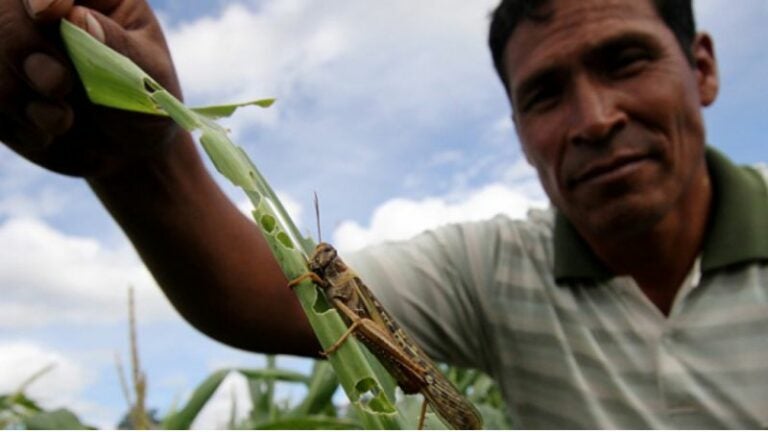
(158, 177)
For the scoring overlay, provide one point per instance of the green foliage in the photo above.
(315, 410)
(18, 411)
(57, 419)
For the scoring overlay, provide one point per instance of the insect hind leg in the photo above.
(422, 415)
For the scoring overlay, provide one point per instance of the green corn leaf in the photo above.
(58, 419)
(320, 390)
(183, 418)
(124, 80)
(309, 423)
(113, 80)
(274, 374)
(260, 400)
(219, 111)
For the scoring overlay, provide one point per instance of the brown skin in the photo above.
(608, 111)
(211, 261)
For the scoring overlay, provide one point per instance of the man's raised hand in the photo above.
(44, 113)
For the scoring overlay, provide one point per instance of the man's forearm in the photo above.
(210, 260)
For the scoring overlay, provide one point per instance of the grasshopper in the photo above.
(370, 323)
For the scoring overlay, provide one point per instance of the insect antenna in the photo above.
(317, 218)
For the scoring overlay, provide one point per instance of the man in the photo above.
(640, 302)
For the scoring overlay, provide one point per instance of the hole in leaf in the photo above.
(366, 389)
(380, 404)
(370, 394)
(321, 305)
(268, 223)
(284, 239)
(150, 86)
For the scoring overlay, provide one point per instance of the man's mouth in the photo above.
(608, 170)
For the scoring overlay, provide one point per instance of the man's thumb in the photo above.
(101, 27)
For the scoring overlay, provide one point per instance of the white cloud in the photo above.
(250, 49)
(44, 203)
(61, 386)
(25, 190)
(278, 42)
(339, 56)
(16, 172)
(49, 277)
(398, 218)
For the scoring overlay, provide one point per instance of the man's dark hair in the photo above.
(676, 14)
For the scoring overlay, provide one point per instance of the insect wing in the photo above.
(450, 405)
(410, 376)
(442, 395)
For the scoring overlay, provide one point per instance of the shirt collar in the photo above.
(737, 231)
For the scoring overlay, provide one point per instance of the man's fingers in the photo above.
(47, 75)
(101, 27)
(52, 118)
(47, 10)
(34, 75)
(104, 6)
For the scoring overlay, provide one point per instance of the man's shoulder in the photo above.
(503, 237)
(487, 240)
(536, 226)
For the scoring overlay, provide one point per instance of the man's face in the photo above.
(608, 110)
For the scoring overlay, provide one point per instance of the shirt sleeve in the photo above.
(433, 283)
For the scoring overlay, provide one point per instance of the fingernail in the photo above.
(34, 7)
(93, 27)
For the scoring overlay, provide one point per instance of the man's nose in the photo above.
(594, 114)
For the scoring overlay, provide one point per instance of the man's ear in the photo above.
(705, 64)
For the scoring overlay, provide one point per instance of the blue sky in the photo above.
(389, 110)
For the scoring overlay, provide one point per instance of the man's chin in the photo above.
(619, 221)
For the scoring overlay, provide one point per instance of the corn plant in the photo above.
(315, 411)
(113, 80)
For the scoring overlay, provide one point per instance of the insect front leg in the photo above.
(311, 276)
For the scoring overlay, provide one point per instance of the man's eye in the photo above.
(628, 62)
(540, 99)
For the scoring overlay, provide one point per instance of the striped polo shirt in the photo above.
(573, 346)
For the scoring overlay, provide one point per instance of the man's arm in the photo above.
(209, 259)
